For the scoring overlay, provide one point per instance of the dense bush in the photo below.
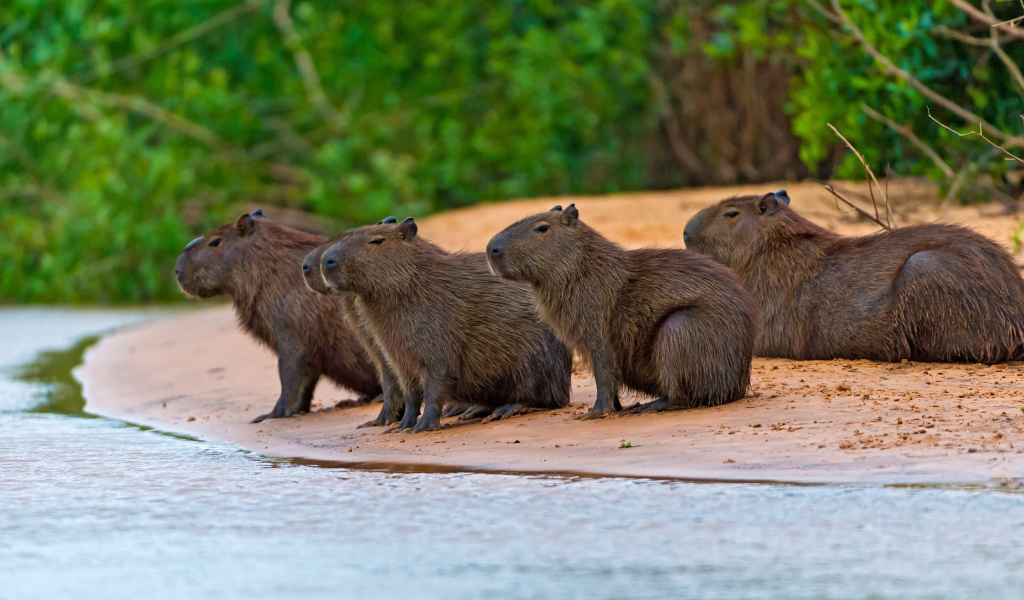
(126, 127)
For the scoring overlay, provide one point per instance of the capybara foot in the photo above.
(349, 403)
(655, 406)
(428, 421)
(604, 407)
(378, 422)
(277, 413)
(455, 409)
(506, 410)
(408, 422)
(476, 412)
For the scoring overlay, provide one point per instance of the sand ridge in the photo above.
(804, 421)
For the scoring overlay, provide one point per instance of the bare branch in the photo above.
(821, 10)
(1005, 26)
(182, 37)
(908, 133)
(1011, 66)
(890, 67)
(980, 133)
(860, 210)
(871, 176)
(307, 69)
(961, 37)
(683, 153)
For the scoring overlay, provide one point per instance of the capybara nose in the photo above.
(495, 252)
(306, 269)
(331, 263)
(177, 272)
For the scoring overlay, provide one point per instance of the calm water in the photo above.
(96, 508)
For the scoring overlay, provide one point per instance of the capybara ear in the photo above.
(258, 213)
(246, 225)
(767, 204)
(407, 229)
(570, 215)
(389, 220)
(782, 195)
(556, 207)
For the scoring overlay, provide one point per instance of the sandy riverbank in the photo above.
(816, 421)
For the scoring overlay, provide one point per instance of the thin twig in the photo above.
(961, 37)
(890, 67)
(182, 37)
(860, 210)
(980, 133)
(1004, 26)
(1011, 66)
(908, 133)
(871, 176)
(307, 69)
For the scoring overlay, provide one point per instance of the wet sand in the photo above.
(810, 421)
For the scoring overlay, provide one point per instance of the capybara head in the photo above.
(359, 259)
(538, 247)
(311, 272)
(208, 266)
(730, 230)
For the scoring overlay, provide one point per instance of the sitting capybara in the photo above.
(258, 264)
(923, 292)
(668, 323)
(352, 312)
(451, 331)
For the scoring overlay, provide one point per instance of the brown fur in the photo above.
(924, 292)
(257, 263)
(353, 313)
(450, 330)
(669, 323)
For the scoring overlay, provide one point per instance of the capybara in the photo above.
(352, 312)
(669, 323)
(452, 332)
(258, 263)
(929, 292)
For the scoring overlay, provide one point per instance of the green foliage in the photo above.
(108, 167)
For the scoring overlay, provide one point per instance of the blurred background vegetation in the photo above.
(127, 127)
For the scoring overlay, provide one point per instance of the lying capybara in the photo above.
(450, 330)
(352, 312)
(258, 264)
(923, 292)
(668, 323)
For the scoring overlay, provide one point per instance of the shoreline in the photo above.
(803, 422)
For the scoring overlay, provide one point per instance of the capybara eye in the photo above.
(376, 241)
(731, 214)
(215, 242)
(542, 228)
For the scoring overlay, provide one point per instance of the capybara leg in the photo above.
(412, 410)
(435, 392)
(506, 410)
(361, 400)
(655, 406)
(455, 409)
(297, 385)
(393, 406)
(607, 386)
(474, 412)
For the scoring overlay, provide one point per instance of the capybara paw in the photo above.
(274, 414)
(378, 422)
(349, 402)
(426, 424)
(655, 406)
(599, 412)
(477, 412)
(506, 410)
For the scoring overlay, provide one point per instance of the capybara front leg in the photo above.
(298, 380)
(606, 377)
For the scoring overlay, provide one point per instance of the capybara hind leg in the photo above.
(506, 410)
(658, 405)
(474, 412)
(943, 312)
(456, 409)
(696, 365)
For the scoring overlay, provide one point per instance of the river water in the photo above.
(98, 508)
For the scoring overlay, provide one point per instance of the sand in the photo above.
(834, 421)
